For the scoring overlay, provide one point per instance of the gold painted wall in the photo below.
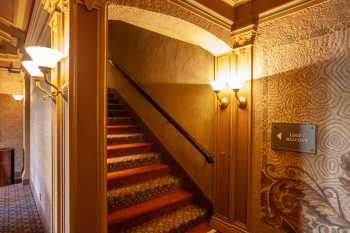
(11, 129)
(302, 62)
(176, 75)
(41, 152)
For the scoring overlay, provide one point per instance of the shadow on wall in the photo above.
(176, 75)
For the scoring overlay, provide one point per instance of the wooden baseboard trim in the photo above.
(25, 181)
(225, 226)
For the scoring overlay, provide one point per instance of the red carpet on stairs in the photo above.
(144, 193)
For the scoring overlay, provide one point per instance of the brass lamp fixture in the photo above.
(219, 87)
(44, 60)
(235, 85)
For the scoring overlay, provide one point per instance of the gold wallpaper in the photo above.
(303, 62)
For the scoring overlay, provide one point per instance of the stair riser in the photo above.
(123, 130)
(132, 164)
(129, 151)
(118, 113)
(124, 140)
(116, 107)
(120, 121)
(120, 227)
(112, 101)
(136, 178)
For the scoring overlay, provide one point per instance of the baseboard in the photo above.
(26, 182)
(46, 225)
(224, 226)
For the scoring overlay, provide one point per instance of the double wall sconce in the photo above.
(43, 61)
(221, 86)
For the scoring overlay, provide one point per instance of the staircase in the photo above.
(146, 194)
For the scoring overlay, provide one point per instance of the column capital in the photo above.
(53, 5)
(243, 37)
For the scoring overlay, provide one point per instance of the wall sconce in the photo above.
(235, 85)
(44, 60)
(18, 97)
(219, 86)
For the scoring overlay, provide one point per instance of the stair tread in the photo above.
(133, 194)
(128, 145)
(120, 117)
(136, 171)
(121, 126)
(131, 161)
(132, 157)
(124, 135)
(125, 214)
(178, 220)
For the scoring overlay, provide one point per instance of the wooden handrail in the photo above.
(171, 120)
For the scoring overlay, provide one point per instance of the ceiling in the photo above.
(14, 19)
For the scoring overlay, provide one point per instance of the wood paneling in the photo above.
(7, 166)
(87, 121)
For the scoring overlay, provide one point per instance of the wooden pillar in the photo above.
(87, 88)
(232, 169)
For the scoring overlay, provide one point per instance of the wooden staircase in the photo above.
(146, 194)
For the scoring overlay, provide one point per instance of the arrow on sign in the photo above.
(279, 136)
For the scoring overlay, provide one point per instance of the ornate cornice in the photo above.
(54, 5)
(244, 36)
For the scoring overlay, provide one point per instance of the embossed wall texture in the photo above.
(11, 129)
(303, 62)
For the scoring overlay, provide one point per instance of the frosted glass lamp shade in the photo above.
(18, 97)
(236, 84)
(32, 68)
(44, 57)
(217, 85)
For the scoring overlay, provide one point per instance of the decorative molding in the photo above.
(206, 12)
(53, 5)
(243, 37)
(287, 9)
(235, 2)
(222, 224)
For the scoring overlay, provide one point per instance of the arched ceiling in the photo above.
(169, 26)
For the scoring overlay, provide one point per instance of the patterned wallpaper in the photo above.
(303, 62)
(11, 131)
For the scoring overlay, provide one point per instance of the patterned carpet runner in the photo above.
(145, 195)
(18, 212)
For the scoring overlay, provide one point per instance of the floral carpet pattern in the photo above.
(18, 212)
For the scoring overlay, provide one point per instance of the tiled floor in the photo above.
(18, 212)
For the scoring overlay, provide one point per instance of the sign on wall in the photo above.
(294, 137)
